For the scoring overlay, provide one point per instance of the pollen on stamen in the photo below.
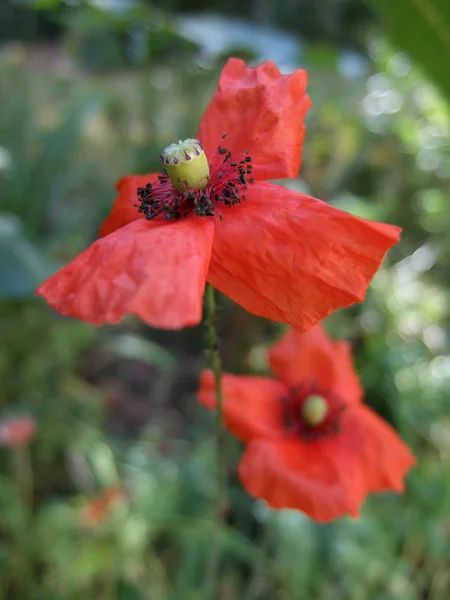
(174, 197)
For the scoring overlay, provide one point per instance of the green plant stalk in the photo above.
(23, 474)
(212, 570)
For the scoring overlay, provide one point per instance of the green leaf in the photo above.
(22, 267)
(422, 29)
(45, 4)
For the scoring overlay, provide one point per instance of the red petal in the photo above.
(124, 209)
(251, 404)
(154, 271)
(261, 111)
(384, 457)
(313, 355)
(302, 476)
(290, 258)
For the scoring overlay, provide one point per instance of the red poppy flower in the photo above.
(311, 444)
(278, 253)
(17, 432)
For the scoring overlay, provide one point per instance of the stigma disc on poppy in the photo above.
(186, 165)
(314, 410)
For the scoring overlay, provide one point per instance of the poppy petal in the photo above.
(294, 259)
(124, 209)
(346, 384)
(251, 404)
(157, 272)
(313, 355)
(301, 476)
(261, 111)
(385, 458)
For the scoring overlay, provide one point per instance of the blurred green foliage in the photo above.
(422, 28)
(116, 405)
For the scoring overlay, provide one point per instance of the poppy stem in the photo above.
(214, 356)
(23, 473)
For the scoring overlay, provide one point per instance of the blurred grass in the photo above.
(112, 413)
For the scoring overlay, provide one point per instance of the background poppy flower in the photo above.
(97, 509)
(311, 444)
(278, 253)
(17, 432)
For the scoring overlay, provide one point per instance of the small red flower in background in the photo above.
(16, 432)
(98, 508)
(311, 444)
(278, 253)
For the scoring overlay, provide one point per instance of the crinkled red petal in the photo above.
(294, 259)
(385, 458)
(261, 111)
(155, 272)
(125, 208)
(314, 356)
(251, 404)
(303, 476)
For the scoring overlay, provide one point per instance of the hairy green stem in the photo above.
(212, 570)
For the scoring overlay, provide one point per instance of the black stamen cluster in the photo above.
(154, 201)
(291, 407)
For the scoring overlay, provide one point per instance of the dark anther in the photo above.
(224, 135)
(248, 159)
(221, 150)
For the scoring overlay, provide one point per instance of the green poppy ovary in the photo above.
(314, 410)
(186, 165)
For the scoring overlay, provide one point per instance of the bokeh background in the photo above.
(111, 500)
